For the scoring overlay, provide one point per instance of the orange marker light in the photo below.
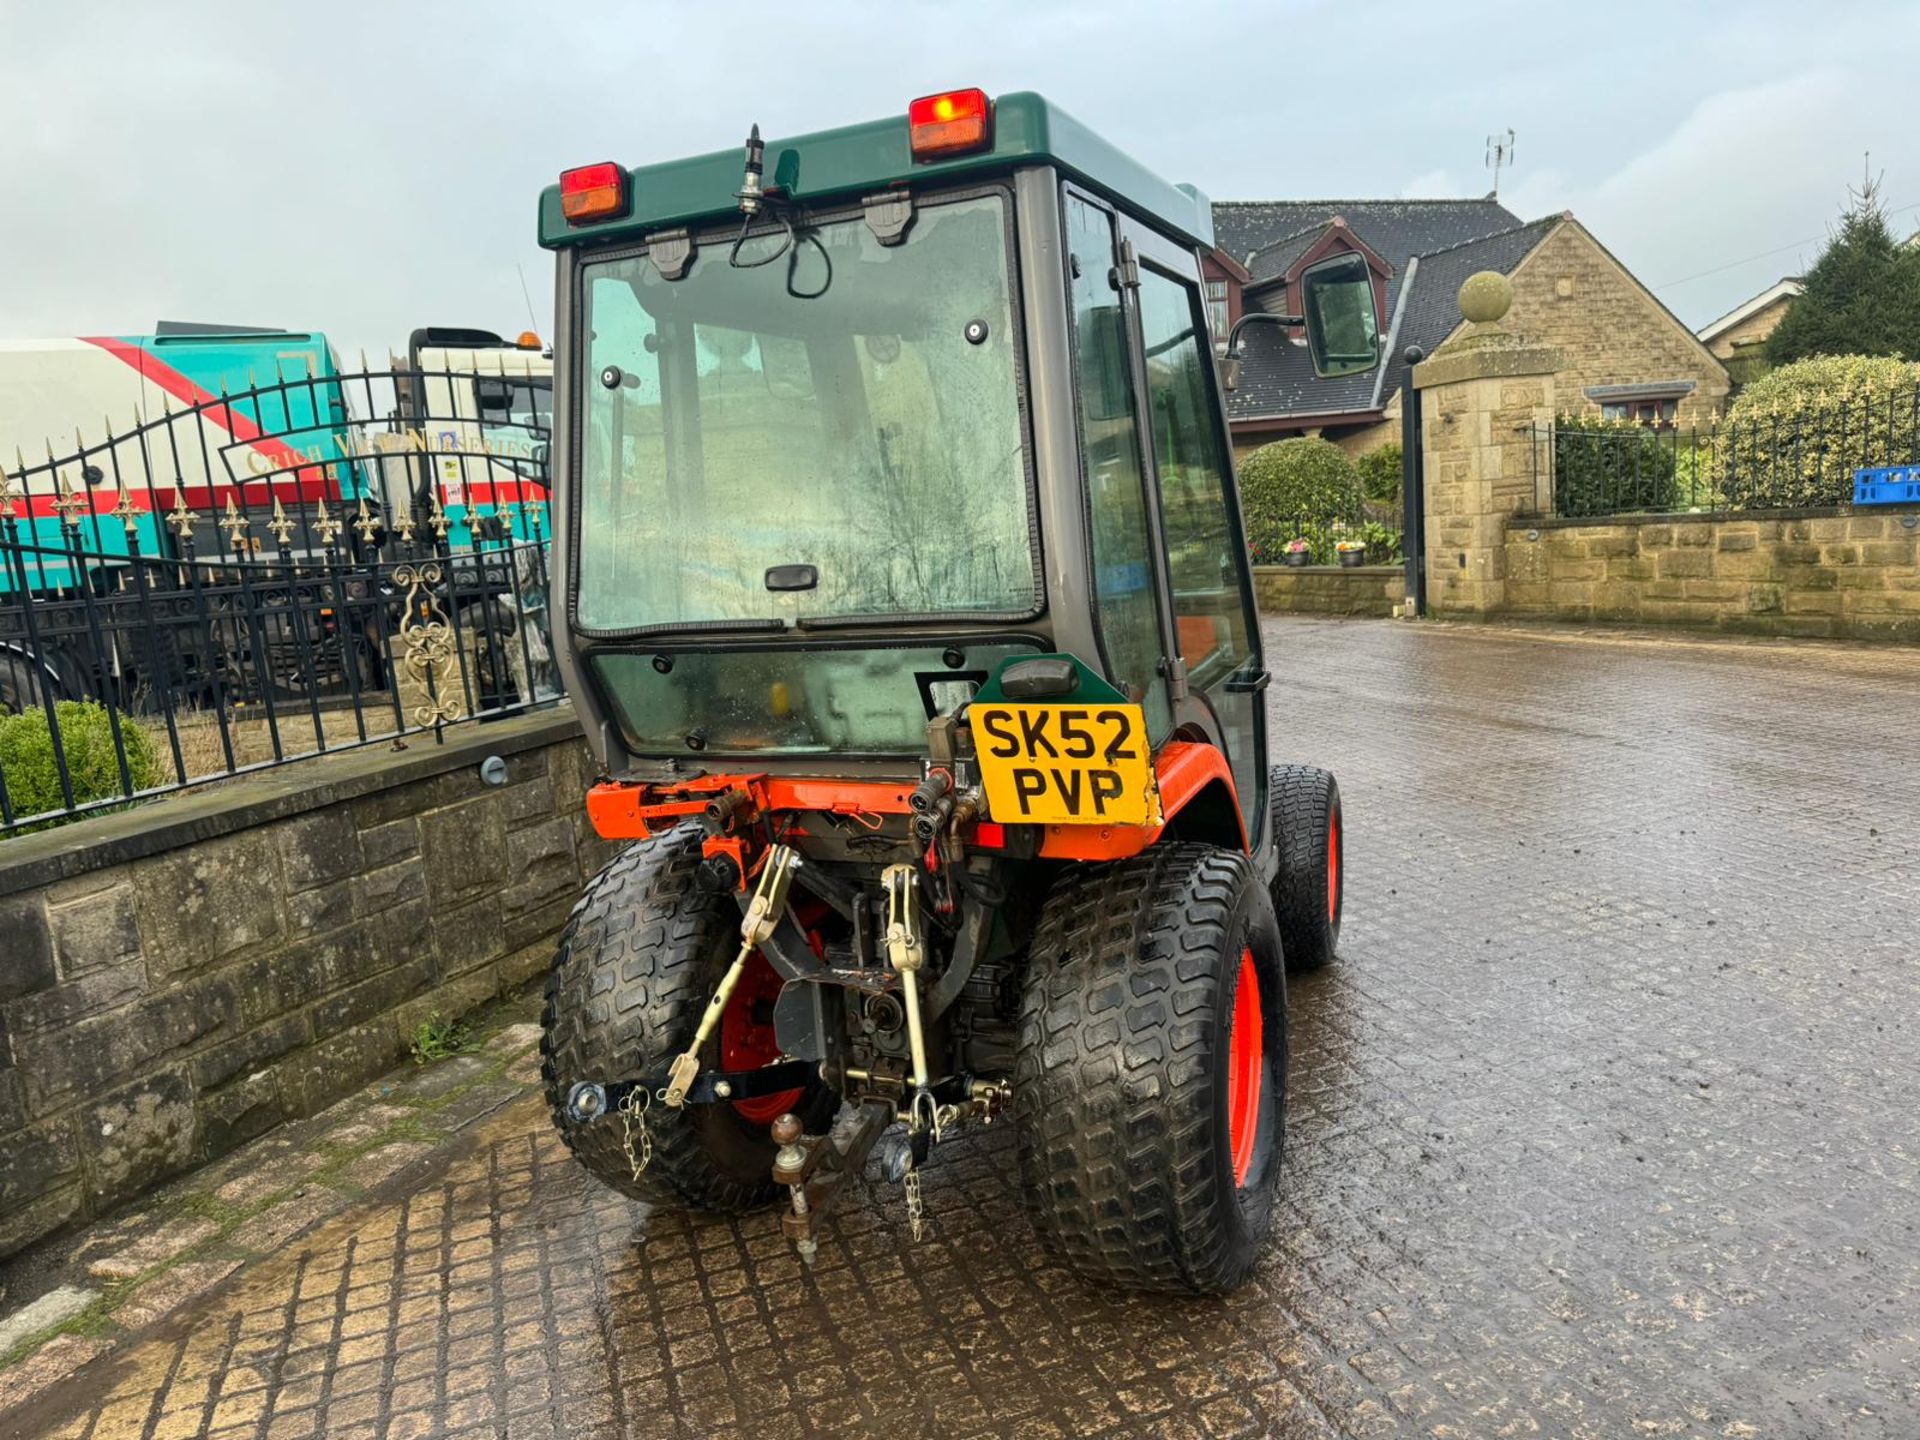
(529, 340)
(950, 123)
(593, 192)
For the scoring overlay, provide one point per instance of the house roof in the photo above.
(1395, 230)
(1275, 258)
(1784, 289)
(1276, 373)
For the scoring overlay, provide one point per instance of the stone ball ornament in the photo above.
(1485, 297)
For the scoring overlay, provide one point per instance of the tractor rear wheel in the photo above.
(1309, 887)
(639, 959)
(1150, 1070)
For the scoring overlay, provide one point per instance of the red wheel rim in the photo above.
(747, 1040)
(1246, 1067)
(1333, 868)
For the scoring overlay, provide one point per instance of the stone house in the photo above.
(1626, 355)
(1739, 336)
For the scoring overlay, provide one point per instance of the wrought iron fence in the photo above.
(1778, 459)
(309, 566)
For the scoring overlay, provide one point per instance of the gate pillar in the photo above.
(1482, 395)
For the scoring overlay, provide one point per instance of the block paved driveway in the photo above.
(1604, 1126)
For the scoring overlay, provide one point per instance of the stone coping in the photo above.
(1703, 517)
(186, 817)
(1329, 569)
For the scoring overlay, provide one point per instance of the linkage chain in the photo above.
(916, 1213)
(634, 1138)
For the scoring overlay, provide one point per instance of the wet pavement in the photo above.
(1603, 1125)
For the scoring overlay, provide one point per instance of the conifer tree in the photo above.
(1862, 296)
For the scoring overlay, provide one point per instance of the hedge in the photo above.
(32, 776)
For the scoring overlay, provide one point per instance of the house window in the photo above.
(1217, 310)
(1656, 413)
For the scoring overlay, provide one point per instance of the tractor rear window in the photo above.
(807, 428)
(794, 701)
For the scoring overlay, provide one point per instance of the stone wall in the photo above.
(1813, 573)
(182, 976)
(1329, 589)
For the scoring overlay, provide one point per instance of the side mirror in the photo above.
(495, 395)
(1336, 301)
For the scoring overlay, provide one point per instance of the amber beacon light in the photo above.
(950, 123)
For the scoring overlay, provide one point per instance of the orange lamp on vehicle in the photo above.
(950, 123)
(593, 192)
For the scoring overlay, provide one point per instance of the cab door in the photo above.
(1199, 540)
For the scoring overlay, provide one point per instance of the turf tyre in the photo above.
(1120, 1071)
(1309, 885)
(637, 963)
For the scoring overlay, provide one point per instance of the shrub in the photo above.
(86, 736)
(1693, 484)
(1601, 467)
(1796, 435)
(1817, 383)
(1384, 543)
(1380, 471)
(1297, 487)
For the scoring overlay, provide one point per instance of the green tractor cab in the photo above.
(909, 615)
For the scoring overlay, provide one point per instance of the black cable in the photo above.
(790, 242)
(786, 244)
(793, 261)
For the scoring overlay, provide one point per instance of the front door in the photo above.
(1215, 624)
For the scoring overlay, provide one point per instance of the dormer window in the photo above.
(1336, 239)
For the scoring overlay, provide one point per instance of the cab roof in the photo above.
(856, 160)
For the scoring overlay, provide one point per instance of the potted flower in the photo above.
(1295, 552)
(1352, 552)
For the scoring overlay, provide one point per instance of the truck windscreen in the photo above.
(802, 429)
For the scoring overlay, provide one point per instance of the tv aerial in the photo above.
(1499, 155)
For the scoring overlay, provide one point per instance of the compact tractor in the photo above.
(909, 616)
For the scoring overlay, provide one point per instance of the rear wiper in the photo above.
(831, 622)
(711, 627)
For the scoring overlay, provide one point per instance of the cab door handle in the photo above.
(1248, 682)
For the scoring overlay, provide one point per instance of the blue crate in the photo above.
(1887, 485)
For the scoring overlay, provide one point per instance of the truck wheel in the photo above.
(1309, 886)
(637, 963)
(1150, 1070)
(23, 682)
(491, 636)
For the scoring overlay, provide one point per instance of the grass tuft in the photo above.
(436, 1038)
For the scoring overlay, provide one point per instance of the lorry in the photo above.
(909, 617)
(214, 445)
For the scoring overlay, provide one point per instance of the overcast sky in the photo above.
(363, 169)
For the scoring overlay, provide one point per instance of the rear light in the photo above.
(593, 192)
(990, 835)
(950, 123)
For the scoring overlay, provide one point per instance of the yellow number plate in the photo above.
(1066, 764)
